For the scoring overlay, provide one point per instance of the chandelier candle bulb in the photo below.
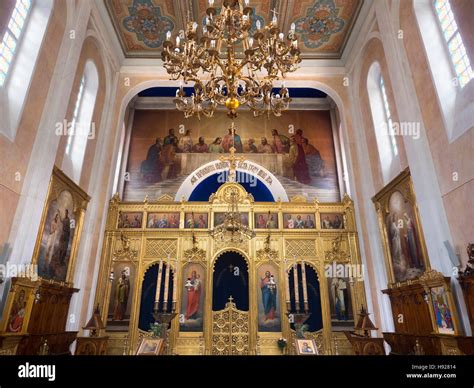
(247, 2)
(293, 28)
(281, 35)
(177, 41)
(258, 24)
(168, 35)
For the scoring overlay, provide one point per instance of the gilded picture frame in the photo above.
(65, 207)
(18, 306)
(443, 311)
(405, 252)
(306, 347)
(150, 347)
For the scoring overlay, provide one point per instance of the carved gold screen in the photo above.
(139, 247)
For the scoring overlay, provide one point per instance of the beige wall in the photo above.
(16, 155)
(449, 158)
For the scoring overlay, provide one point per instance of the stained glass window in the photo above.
(388, 116)
(12, 35)
(457, 50)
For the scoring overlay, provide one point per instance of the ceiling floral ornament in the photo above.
(148, 23)
(320, 23)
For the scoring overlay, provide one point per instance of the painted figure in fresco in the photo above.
(167, 158)
(18, 312)
(413, 253)
(170, 138)
(201, 147)
(193, 289)
(123, 221)
(340, 298)
(216, 147)
(326, 224)
(122, 291)
(65, 236)
(136, 223)
(230, 141)
(261, 221)
(202, 224)
(337, 223)
(152, 221)
(309, 223)
(271, 223)
(52, 241)
(290, 223)
(395, 241)
(298, 161)
(269, 297)
(281, 144)
(174, 222)
(251, 147)
(190, 222)
(163, 223)
(185, 144)
(313, 159)
(264, 147)
(299, 223)
(151, 166)
(442, 312)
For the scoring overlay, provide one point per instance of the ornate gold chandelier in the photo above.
(232, 228)
(231, 64)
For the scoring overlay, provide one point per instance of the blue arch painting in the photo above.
(251, 184)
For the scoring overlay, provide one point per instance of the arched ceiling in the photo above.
(324, 26)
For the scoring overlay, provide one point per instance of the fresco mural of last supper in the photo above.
(297, 148)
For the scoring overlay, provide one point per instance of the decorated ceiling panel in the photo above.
(323, 25)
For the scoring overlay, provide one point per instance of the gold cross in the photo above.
(232, 159)
(231, 299)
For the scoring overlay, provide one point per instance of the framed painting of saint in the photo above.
(443, 310)
(121, 296)
(191, 317)
(401, 231)
(150, 347)
(269, 319)
(163, 221)
(129, 220)
(306, 347)
(299, 221)
(196, 221)
(266, 221)
(20, 300)
(340, 303)
(332, 221)
(219, 218)
(60, 228)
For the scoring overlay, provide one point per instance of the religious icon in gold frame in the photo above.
(401, 232)
(150, 347)
(441, 302)
(60, 229)
(306, 347)
(20, 300)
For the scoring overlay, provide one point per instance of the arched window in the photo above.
(19, 49)
(457, 50)
(449, 64)
(383, 123)
(12, 36)
(81, 128)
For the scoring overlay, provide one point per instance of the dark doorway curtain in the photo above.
(315, 321)
(230, 278)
